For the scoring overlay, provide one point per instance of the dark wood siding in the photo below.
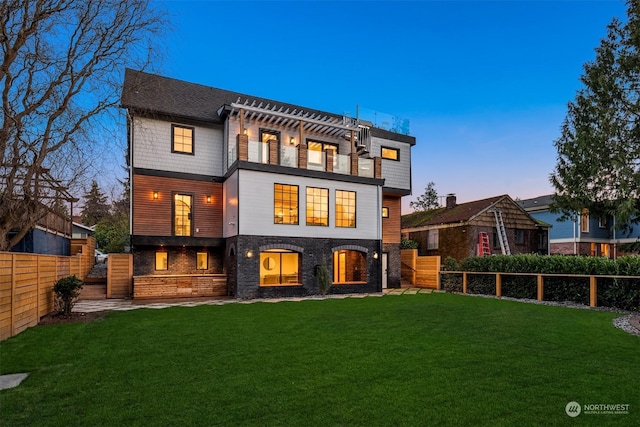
(154, 217)
(391, 225)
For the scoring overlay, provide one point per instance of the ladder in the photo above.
(483, 244)
(502, 233)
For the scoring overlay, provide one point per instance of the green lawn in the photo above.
(428, 359)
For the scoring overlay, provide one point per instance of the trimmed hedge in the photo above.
(622, 293)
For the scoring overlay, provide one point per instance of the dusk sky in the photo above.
(484, 84)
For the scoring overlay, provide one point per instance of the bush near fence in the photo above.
(566, 278)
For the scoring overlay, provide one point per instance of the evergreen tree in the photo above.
(598, 165)
(428, 200)
(95, 205)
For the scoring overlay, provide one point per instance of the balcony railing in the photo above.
(293, 157)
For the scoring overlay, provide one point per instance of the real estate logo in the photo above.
(573, 409)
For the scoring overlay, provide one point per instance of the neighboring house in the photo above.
(81, 231)
(262, 191)
(582, 234)
(457, 230)
(50, 236)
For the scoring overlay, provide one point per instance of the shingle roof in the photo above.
(537, 202)
(164, 95)
(460, 213)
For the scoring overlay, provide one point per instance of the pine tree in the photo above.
(95, 205)
(428, 200)
(598, 164)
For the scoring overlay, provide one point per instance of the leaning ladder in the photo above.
(483, 244)
(502, 233)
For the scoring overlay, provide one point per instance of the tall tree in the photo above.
(428, 200)
(598, 165)
(60, 80)
(95, 205)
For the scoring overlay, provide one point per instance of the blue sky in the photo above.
(484, 83)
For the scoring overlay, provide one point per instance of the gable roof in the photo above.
(458, 214)
(536, 203)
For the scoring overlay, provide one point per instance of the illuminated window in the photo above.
(390, 153)
(316, 150)
(279, 267)
(182, 215)
(604, 250)
(162, 261)
(202, 261)
(385, 212)
(265, 137)
(182, 139)
(317, 206)
(349, 267)
(285, 204)
(584, 221)
(345, 208)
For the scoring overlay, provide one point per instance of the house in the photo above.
(581, 234)
(50, 236)
(495, 225)
(259, 192)
(81, 231)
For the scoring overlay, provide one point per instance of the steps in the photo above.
(93, 289)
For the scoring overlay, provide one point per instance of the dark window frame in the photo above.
(155, 260)
(397, 150)
(355, 209)
(173, 139)
(173, 213)
(297, 205)
(306, 206)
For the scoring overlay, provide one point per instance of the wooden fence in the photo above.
(420, 271)
(26, 285)
(593, 282)
(119, 275)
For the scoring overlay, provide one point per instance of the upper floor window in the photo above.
(317, 149)
(385, 212)
(584, 220)
(345, 208)
(390, 153)
(182, 220)
(317, 206)
(182, 139)
(285, 204)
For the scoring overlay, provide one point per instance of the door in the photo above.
(385, 272)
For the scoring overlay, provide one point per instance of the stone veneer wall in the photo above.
(245, 283)
(180, 261)
(393, 264)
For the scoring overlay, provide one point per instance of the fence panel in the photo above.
(428, 272)
(408, 261)
(119, 275)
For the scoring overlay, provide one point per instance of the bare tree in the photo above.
(60, 81)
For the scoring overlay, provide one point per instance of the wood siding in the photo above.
(154, 217)
(119, 275)
(391, 225)
(179, 286)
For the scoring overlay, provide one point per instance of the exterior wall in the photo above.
(394, 264)
(154, 217)
(38, 241)
(256, 207)
(397, 174)
(180, 261)
(230, 208)
(314, 251)
(391, 226)
(152, 148)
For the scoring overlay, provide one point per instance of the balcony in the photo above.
(300, 157)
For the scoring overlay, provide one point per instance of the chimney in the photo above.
(451, 200)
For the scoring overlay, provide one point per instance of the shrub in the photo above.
(323, 277)
(67, 290)
(408, 244)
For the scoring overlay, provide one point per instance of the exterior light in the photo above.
(375, 255)
(155, 195)
(246, 131)
(208, 199)
(292, 140)
(249, 253)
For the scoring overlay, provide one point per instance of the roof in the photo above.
(458, 214)
(536, 203)
(150, 93)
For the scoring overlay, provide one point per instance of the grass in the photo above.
(436, 359)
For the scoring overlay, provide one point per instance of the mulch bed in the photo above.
(59, 318)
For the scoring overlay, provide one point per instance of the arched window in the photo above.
(349, 267)
(279, 267)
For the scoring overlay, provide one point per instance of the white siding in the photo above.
(230, 208)
(256, 207)
(397, 174)
(152, 148)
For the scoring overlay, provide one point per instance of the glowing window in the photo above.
(162, 261)
(285, 204)
(317, 206)
(345, 208)
(390, 153)
(182, 139)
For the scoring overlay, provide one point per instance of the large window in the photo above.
(182, 139)
(390, 153)
(316, 150)
(317, 206)
(349, 267)
(345, 208)
(279, 267)
(285, 204)
(182, 219)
